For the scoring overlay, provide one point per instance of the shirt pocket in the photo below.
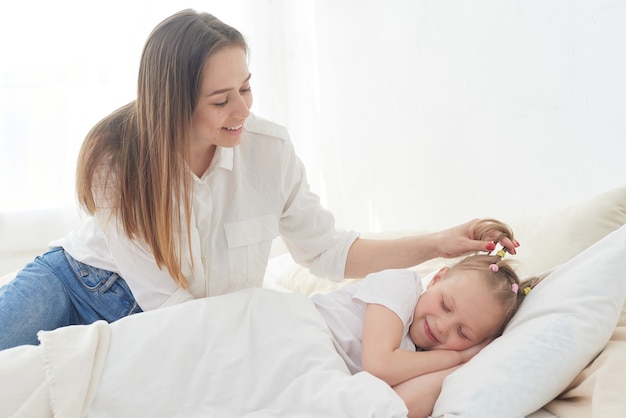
(249, 244)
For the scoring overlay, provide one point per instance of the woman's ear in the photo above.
(442, 272)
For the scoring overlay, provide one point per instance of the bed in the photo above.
(267, 353)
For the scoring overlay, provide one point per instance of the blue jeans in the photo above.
(54, 291)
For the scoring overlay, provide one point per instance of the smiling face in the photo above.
(224, 101)
(456, 312)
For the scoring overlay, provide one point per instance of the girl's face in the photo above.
(456, 311)
(224, 101)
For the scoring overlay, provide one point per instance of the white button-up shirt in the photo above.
(249, 195)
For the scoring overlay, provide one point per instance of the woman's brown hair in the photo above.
(134, 160)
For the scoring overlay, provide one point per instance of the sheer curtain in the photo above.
(407, 114)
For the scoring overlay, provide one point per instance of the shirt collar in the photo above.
(224, 158)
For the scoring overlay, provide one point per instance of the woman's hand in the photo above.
(474, 236)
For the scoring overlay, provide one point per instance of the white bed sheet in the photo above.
(255, 353)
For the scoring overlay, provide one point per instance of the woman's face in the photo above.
(224, 101)
(456, 311)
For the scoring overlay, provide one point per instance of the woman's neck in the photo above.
(200, 159)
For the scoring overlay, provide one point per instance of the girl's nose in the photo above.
(444, 324)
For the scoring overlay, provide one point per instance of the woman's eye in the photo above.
(244, 90)
(223, 102)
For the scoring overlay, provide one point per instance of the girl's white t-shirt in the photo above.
(344, 309)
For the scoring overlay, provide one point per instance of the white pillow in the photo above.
(562, 325)
(555, 237)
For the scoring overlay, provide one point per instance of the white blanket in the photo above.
(254, 353)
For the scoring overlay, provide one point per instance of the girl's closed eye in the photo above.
(444, 306)
(462, 335)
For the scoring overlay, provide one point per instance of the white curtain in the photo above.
(407, 113)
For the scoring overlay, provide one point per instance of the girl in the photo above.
(412, 339)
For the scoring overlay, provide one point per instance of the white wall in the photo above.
(432, 112)
(407, 113)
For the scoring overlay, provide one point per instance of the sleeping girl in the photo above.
(412, 338)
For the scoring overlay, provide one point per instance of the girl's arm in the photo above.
(420, 393)
(382, 357)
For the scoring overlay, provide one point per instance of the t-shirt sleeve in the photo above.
(398, 290)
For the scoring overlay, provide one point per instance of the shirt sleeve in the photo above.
(397, 290)
(309, 229)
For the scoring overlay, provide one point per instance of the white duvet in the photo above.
(254, 353)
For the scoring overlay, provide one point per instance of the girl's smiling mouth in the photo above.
(428, 333)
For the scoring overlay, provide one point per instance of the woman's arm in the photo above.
(420, 393)
(382, 357)
(370, 255)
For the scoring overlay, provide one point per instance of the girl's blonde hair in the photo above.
(134, 160)
(499, 273)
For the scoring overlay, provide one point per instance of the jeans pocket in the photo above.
(108, 293)
(92, 278)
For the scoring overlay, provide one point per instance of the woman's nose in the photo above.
(242, 106)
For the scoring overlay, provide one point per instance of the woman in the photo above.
(186, 190)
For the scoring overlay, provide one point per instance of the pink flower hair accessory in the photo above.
(494, 267)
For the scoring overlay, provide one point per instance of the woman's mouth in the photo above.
(429, 334)
(233, 129)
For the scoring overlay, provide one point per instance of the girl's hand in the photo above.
(470, 352)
